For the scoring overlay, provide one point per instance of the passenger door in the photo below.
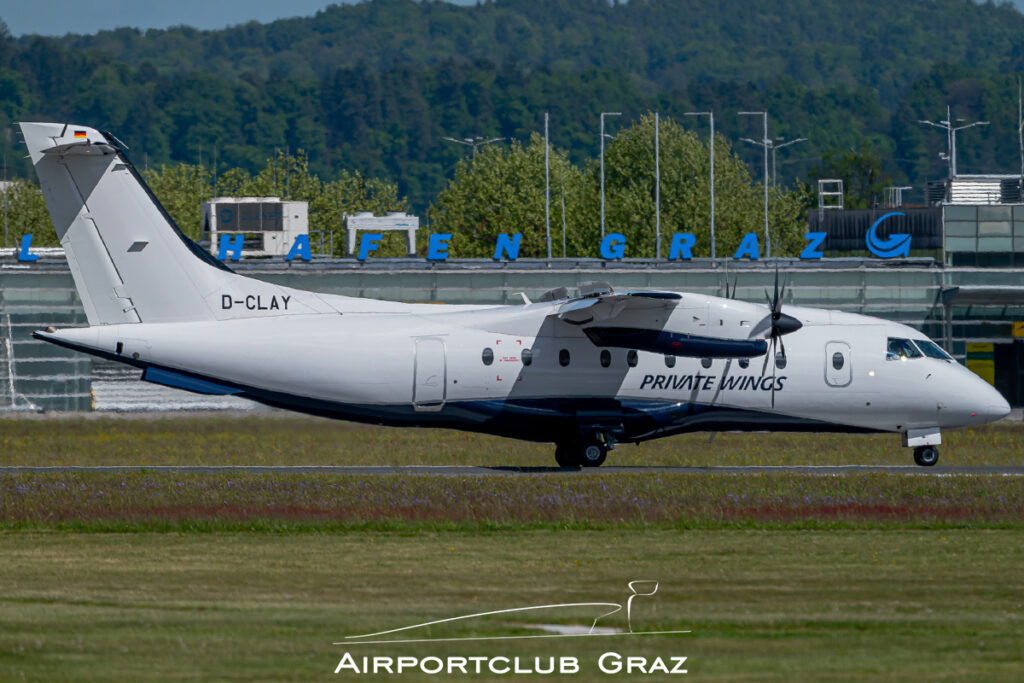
(838, 364)
(428, 391)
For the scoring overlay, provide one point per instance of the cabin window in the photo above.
(780, 360)
(838, 360)
(744, 363)
(670, 361)
(931, 349)
(901, 349)
(631, 358)
(606, 358)
(527, 356)
(487, 356)
(563, 357)
(705, 363)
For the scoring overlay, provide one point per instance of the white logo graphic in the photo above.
(637, 588)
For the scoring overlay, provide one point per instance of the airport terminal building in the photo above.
(962, 284)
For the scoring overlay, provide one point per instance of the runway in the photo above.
(459, 470)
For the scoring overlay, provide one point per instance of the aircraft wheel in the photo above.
(592, 453)
(926, 456)
(566, 455)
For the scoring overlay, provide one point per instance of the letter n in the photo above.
(509, 246)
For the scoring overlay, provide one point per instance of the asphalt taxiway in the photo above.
(460, 470)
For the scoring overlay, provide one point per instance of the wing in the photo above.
(638, 319)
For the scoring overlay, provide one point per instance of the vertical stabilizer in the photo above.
(130, 262)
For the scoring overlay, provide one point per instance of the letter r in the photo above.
(682, 246)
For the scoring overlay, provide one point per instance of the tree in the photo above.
(862, 174)
(501, 190)
(26, 213)
(182, 189)
(685, 193)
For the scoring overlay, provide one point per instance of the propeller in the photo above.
(781, 324)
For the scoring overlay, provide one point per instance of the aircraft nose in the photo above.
(990, 404)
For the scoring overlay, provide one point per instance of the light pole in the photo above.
(951, 129)
(774, 146)
(766, 142)
(604, 114)
(711, 146)
(657, 191)
(474, 142)
(6, 188)
(547, 187)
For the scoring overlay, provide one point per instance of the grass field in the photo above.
(270, 438)
(244, 576)
(776, 605)
(238, 501)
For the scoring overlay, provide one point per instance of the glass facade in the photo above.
(984, 235)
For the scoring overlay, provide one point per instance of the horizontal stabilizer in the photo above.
(81, 148)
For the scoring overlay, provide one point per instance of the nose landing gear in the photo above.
(926, 456)
(924, 442)
(588, 451)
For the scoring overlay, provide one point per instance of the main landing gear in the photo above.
(926, 456)
(588, 451)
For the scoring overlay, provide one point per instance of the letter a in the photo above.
(300, 249)
(748, 247)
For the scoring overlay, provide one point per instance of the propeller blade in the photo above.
(775, 365)
(775, 301)
(769, 354)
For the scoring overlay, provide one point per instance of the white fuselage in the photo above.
(425, 365)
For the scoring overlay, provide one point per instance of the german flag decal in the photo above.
(79, 134)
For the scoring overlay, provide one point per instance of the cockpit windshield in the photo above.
(931, 349)
(901, 349)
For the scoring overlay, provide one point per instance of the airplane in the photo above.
(584, 370)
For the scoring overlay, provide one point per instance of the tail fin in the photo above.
(129, 260)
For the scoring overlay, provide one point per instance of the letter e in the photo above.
(438, 246)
